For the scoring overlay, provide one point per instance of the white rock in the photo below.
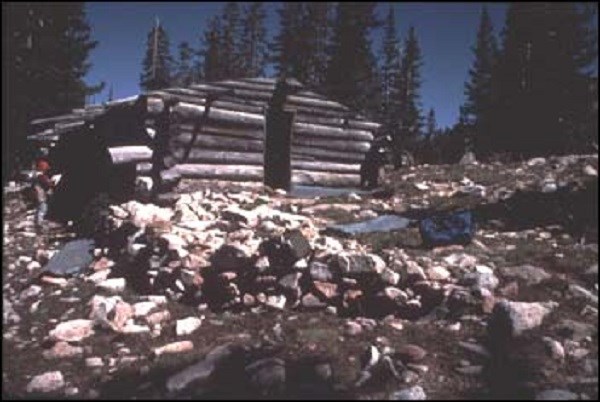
(47, 382)
(94, 362)
(590, 170)
(438, 273)
(114, 285)
(72, 331)
(143, 308)
(187, 325)
(415, 393)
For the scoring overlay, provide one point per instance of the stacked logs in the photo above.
(217, 131)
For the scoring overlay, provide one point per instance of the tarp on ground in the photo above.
(73, 258)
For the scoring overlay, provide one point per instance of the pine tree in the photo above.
(253, 44)
(542, 84)
(286, 47)
(157, 64)
(317, 34)
(230, 38)
(110, 96)
(48, 47)
(390, 73)
(184, 71)
(431, 125)
(211, 67)
(478, 89)
(410, 82)
(352, 75)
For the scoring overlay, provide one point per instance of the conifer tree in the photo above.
(253, 45)
(478, 89)
(157, 64)
(431, 126)
(47, 58)
(390, 74)
(541, 88)
(287, 44)
(212, 57)
(184, 71)
(230, 38)
(411, 120)
(352, 75)
(317, 32)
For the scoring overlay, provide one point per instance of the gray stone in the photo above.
(575, 330)
(484, 280)
(267, 376)
(415, 393)
(513, 318)
(46, 382)
(62, 350)
(311, 301)
(580, 292)
(359, 264)
(320, 272)
(527, 274)
(290, 281)
(229, 258)
(555, 395)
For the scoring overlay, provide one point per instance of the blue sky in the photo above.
(446, 33)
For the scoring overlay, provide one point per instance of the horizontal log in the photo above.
(220, 129)
(222, 172)
(327, 155)
(202, 156)
(272, 81)
(190, 111)
(234, 105)
(205, 141)
(306, 177)
(316, 103)
(334, 145)
(143, 167)
(129, 154)
(318, 130)
(225, 157)
(329, 167)
(255, 173)
(221, 142)
(67, 118)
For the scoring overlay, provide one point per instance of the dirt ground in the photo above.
(508, 234)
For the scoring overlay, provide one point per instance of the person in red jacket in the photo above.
(42, 186)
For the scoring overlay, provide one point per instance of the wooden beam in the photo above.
(129, 154)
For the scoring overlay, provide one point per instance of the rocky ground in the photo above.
(234, 291)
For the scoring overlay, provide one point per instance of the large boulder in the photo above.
(356, 265)
(510, 319)
(230, 258)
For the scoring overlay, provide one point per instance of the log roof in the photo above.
(248, 95)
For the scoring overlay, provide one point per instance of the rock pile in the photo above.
(239, 251)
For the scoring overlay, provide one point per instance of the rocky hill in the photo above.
(236, 291)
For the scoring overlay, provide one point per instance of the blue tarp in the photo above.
(384, 223)
(447, 228)
(74, 257)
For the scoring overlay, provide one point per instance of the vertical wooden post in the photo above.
(277, 168)
(277, 154)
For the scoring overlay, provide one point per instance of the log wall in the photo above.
(216, 131)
